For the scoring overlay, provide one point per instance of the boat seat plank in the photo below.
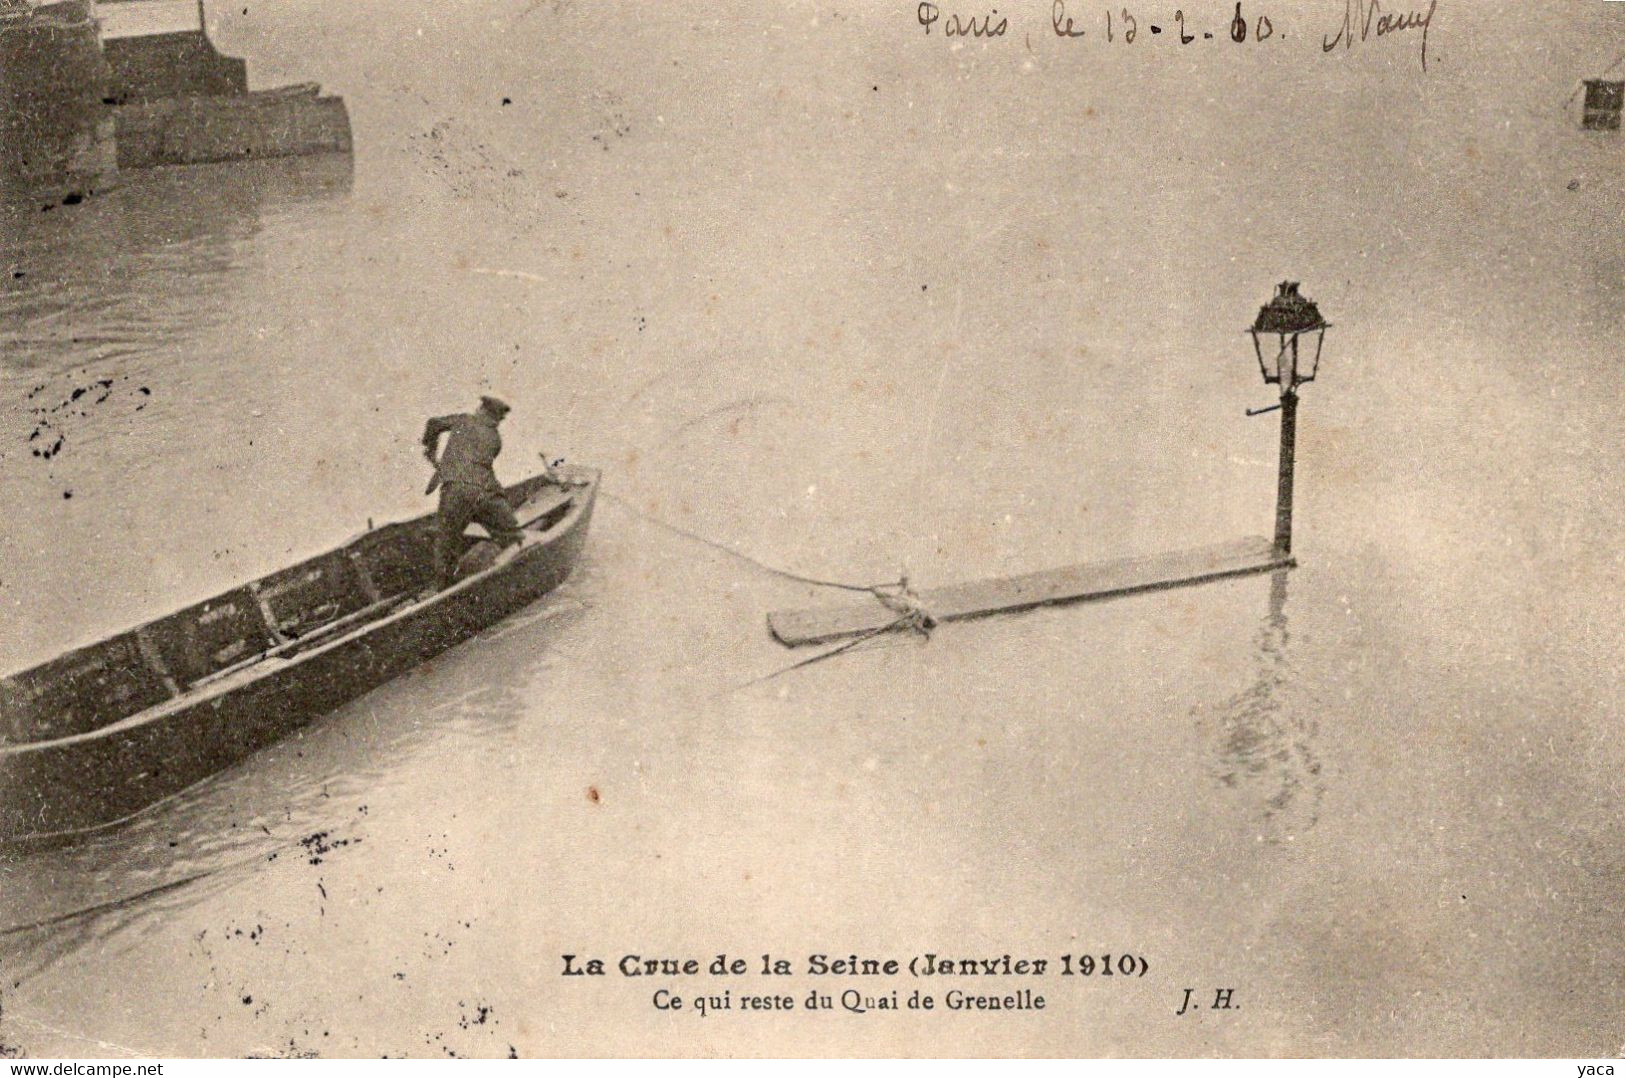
(1090, 580)
(210, 636)
(304, 597)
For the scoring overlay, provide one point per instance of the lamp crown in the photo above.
(1288, 312)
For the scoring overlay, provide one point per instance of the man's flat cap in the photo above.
(495, 405)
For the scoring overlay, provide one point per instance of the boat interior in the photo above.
(276, 616)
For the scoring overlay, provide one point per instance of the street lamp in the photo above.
(1282, 323)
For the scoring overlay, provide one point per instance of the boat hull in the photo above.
(56, 789)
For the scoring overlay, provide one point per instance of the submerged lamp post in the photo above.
(1282, 322)
(1287, 336)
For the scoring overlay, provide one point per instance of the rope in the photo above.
(897, 596)
(99, 908)
(112, 904)
(150, 892)
(830, 654)
(741, 555)
(905, 602)
(911, 616)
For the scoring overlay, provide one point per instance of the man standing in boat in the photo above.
(469, 491)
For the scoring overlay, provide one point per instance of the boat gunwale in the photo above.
(272, 665)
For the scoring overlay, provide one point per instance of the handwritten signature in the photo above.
(1368, 17)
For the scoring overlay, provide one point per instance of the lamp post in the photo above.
(1276, 333)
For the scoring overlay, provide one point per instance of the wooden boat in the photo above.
(93, 737)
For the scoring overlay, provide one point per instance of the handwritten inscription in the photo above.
(956, 25)
(1368, 19)
(1241, 22)
(1058, 17)
(1116, 24)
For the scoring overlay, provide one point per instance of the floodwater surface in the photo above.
(851, 299)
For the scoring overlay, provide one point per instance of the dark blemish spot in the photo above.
(66, 494)
(481, 1013)
(592, 794)
(318, 845)
(1574, 185)
(144, 391)
(18, 275)
(876, 89)
(507, 100)
(248, 1001)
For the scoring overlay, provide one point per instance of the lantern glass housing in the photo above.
(1281, 322)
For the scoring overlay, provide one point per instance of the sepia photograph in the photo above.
(812, 529)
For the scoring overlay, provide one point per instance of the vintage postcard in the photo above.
(544, 528)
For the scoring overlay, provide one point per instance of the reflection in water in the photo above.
(80, 280)
(1261, 742)
(139, 335)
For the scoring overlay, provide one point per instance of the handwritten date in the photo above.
(1361, 20)
(1125, 24)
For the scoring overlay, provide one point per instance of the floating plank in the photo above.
(1072, 583)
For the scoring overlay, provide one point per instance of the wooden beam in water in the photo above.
(1072, 583)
